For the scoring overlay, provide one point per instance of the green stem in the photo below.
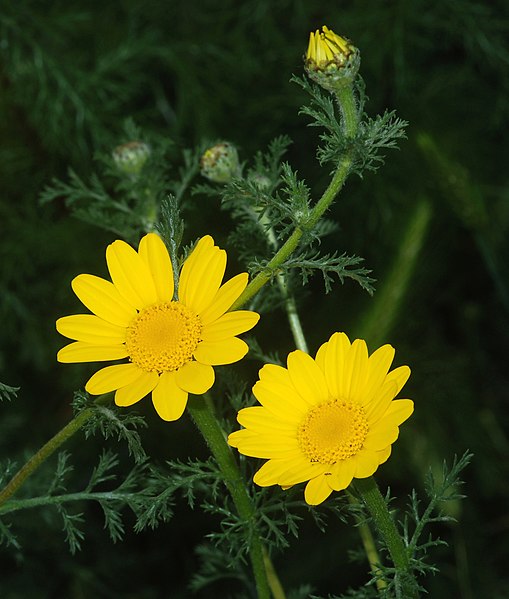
(384, 522)
(350, 123)
(368, 543)
(289, 300)
(205, 420)
(44, 453)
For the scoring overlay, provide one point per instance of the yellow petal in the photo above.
(230, 325)
(91, 329)
(380, 436)
(282, 401)
(265, 446)
(307, 378)
(195, 378)
(366, 462)
(168, 398)
(130, 275)
(392, 385)
(378, 365)
(130, 394)
(224, 298)
(102, 298)
(155, 255)
(317, 490)
(112, 378)
(226, 351)
(275, 472)
(86, 352)
(384, 454)
(200, 249)
(341, 474)
(356, 374)
(332, 357)
(261, 420)
(200, 279)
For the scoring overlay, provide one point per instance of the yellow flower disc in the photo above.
(333, 431)
(163, 337)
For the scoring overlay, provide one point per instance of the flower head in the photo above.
(331, 60)
(171, 344)
(220, 163)
(131, 157)
(325, 420)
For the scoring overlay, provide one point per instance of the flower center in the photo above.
(333, 431)
(163, 337)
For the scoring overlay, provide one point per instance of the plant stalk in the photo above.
(384, 522)
(201, 412)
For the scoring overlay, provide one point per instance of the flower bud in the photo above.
(131, 156)
(220, 163)
(331, 60)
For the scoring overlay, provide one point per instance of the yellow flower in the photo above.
(325, 420)
(171, 344)
(331, 60)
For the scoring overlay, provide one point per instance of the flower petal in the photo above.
(282, 402)
(265, 446)
(332, 357)
(230, 325)
(341, 474)
(385, 431)
(259, 419)
(86, 352)
(378, 365)
(216, 353)
(91, 329)
(130, 275)
(168, 398)
(392, 385)
(307, 377)
(112, 378)
(224, 298)
(384, 454)
(130, 394)
(294, 470)
(155, 255)
(317, 490)
(201, 275)
(195, 377)
(366, 462)
(102, 298)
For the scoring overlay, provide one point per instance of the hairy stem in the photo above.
(368, 542)
(386, 526)
(204, 418)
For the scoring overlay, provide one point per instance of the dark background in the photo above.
(71, 73)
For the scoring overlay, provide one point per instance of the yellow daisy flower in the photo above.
(325, 420)
(172, 344)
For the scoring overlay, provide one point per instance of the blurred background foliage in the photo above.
(72, 72)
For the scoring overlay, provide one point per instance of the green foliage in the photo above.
(111, 423)
(7, 392)
(75, 77)
(374, 136)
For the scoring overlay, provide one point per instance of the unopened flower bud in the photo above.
(331, 60)
(131, 156)
(220, 163)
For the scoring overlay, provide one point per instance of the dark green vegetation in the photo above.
(73, 73)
